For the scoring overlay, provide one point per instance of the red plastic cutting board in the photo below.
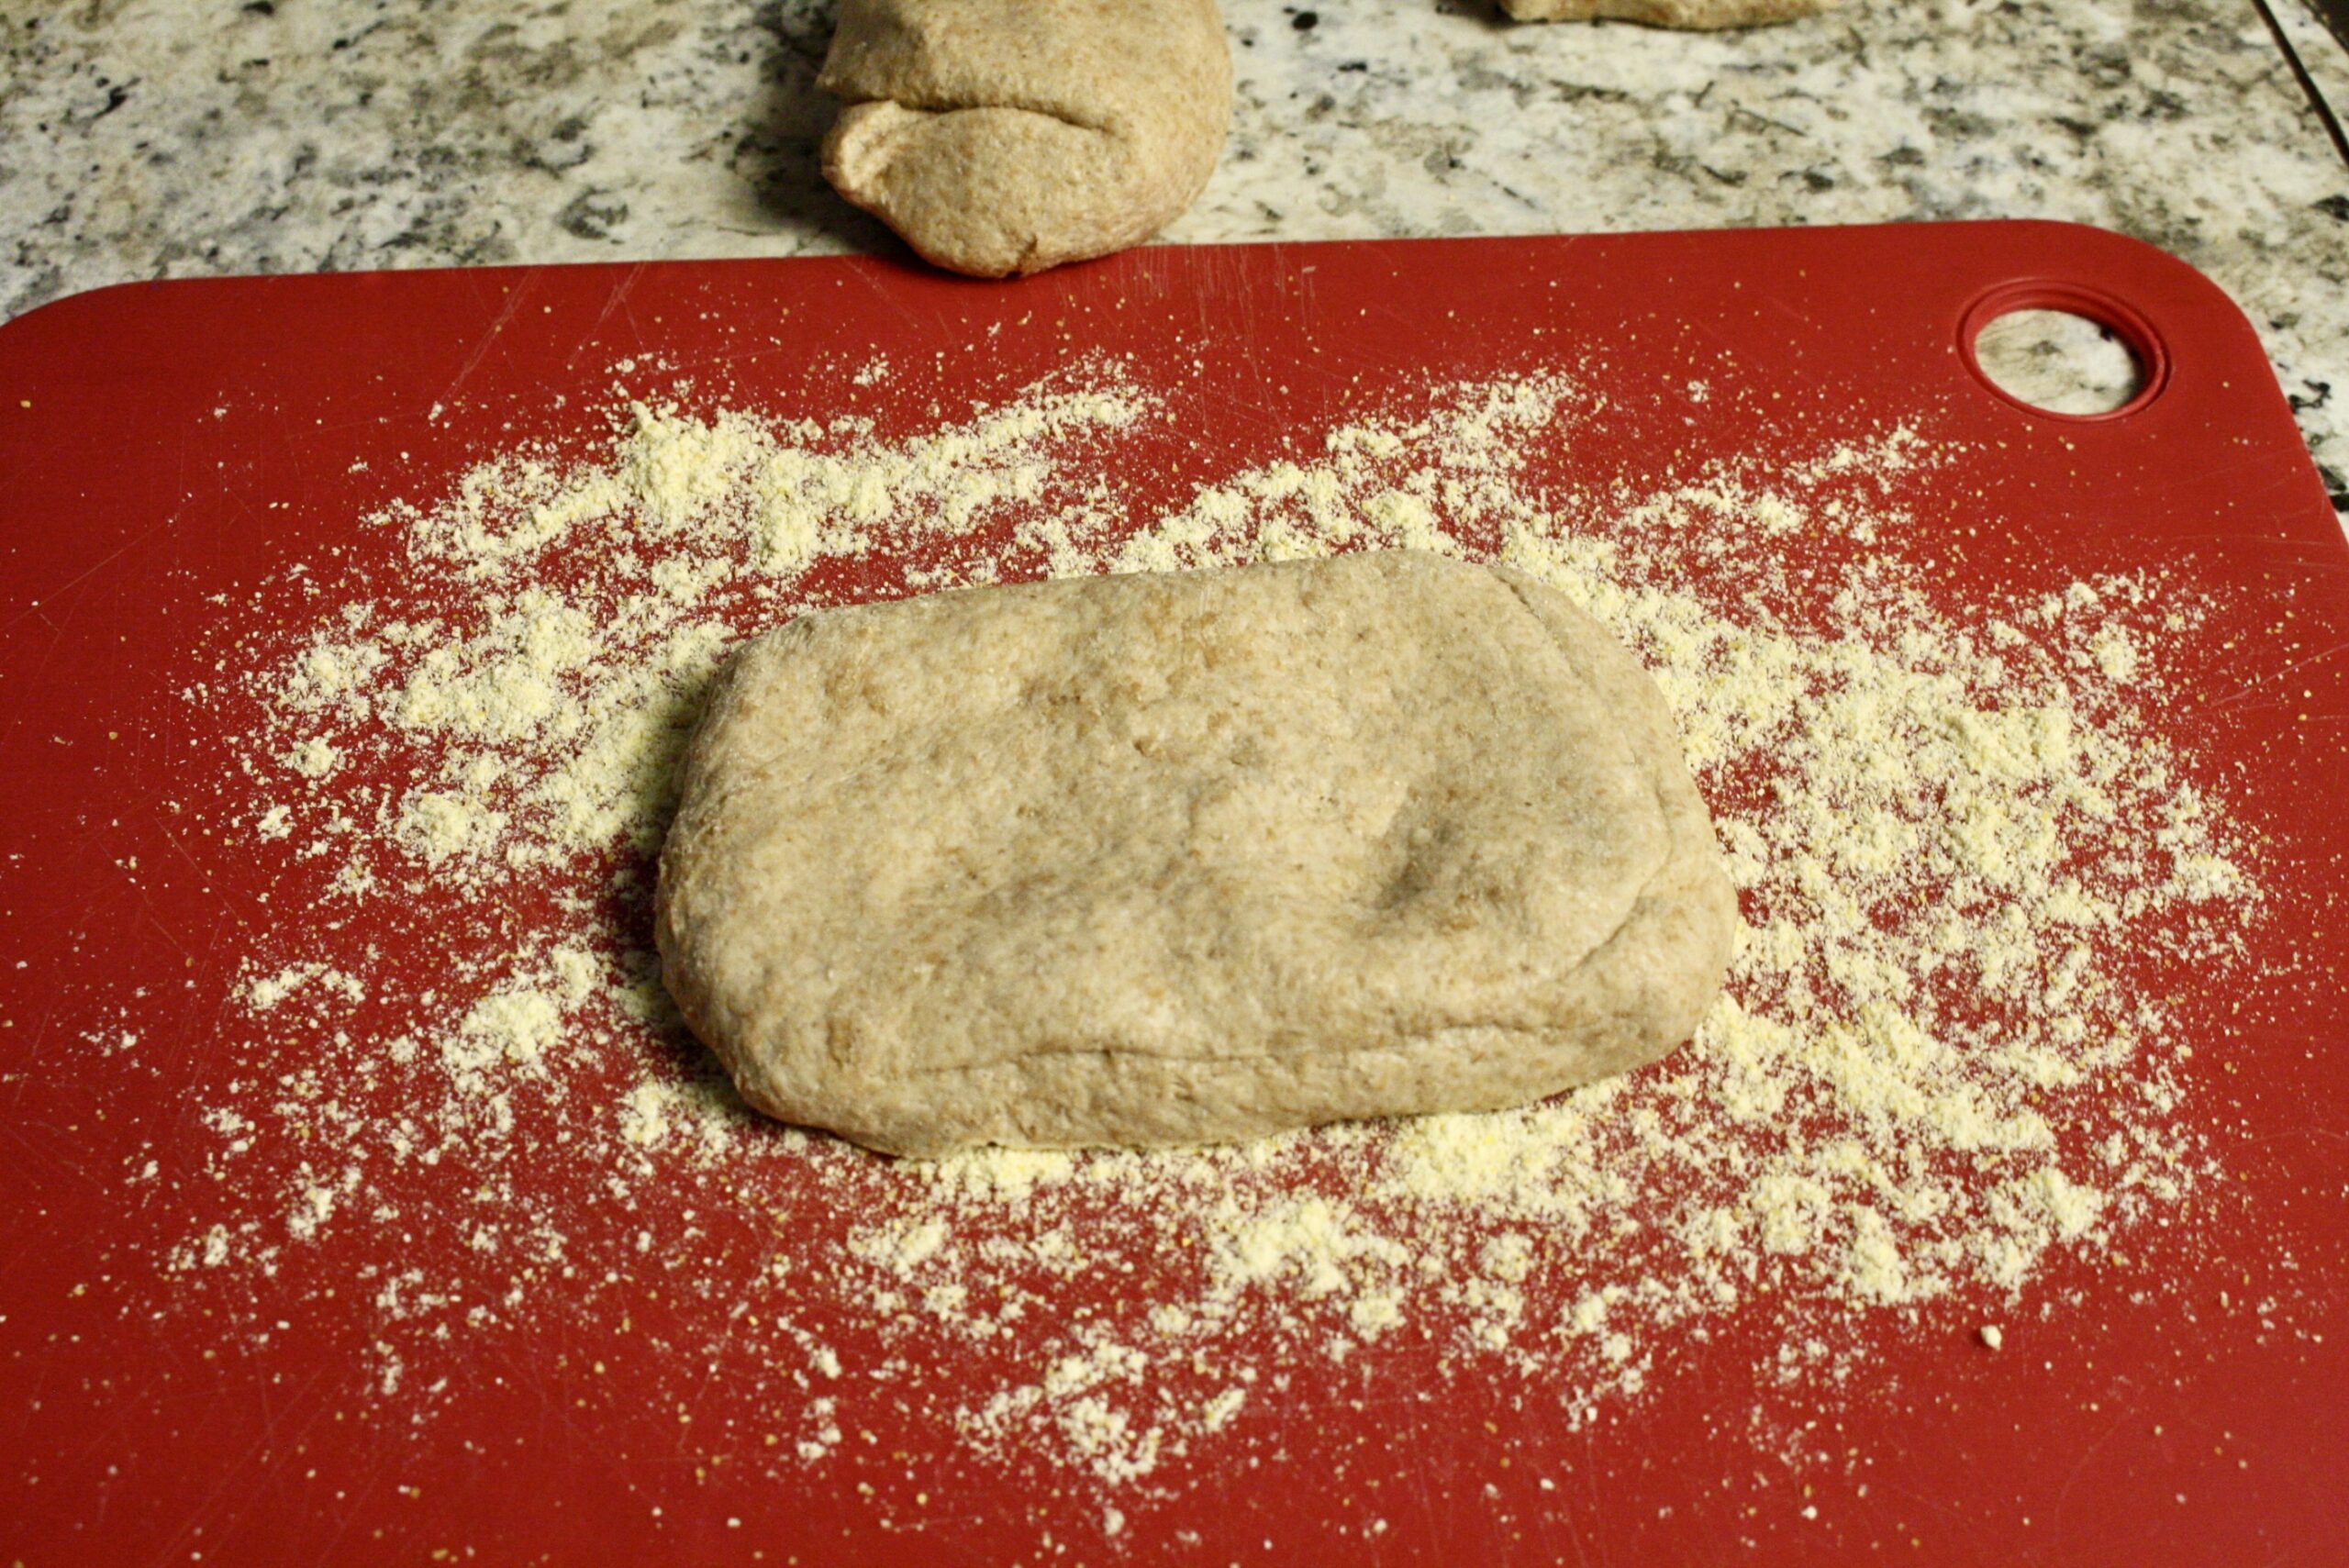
(164, 444)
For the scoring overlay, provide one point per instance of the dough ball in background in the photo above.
(1009, 136)
(1002, 137)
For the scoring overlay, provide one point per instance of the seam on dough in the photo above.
(941, 109)
(1678, 832)
(1647, 899)
(1641, 901)
(1398, 1045)
(1685, 837)
(1648, 774)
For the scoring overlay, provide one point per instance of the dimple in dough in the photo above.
(1188, 858)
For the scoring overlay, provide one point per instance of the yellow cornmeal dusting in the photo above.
(1949, 830)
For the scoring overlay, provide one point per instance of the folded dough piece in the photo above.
(1009, 136)
(1183, 858)
(1668, 13)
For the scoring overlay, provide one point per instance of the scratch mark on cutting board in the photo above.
(235, 1477)
(2322, 655)
(117, 553)
(2266, 695)
(872, 279)
(52, 1156)
(612, 302)
(481, 349)
(1785, 307)
(2122, 1417)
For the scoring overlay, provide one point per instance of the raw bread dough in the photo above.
(1668, 13)
(1009, 136)
(1182, 858)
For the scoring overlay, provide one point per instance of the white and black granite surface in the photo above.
(172, 138)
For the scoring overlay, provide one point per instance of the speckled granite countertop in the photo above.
(162, 138)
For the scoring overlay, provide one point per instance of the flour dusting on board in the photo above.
(1961, 843)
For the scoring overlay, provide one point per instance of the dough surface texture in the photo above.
(1009, 136)
(1695, 13)
(1188, 858)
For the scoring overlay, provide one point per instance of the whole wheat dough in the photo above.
(1668, 13)
(1009, 136)
(1182, 858)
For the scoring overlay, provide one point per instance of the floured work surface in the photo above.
(353, 1085)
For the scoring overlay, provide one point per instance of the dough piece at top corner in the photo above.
(1188, 858)
(1701, 15)
(1009, 136)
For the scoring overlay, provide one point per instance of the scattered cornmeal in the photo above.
(1958, 832)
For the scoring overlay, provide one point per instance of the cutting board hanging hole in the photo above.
(2063, 351)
